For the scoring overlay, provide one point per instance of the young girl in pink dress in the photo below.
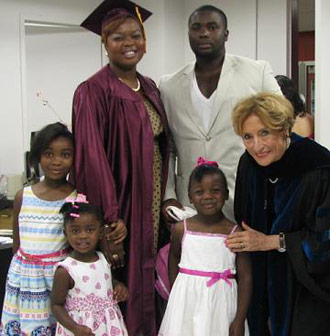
(84, 299)
(211, 286)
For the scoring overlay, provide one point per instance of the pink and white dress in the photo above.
(203, 299)
(90, 302)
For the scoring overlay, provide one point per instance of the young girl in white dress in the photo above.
(211, 286)
(84, 296)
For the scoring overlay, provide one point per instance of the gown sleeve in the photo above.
(92, 173)
(308, 246)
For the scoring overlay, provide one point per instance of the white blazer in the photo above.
(240, 78)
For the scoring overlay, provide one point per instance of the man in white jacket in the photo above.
(199, 99)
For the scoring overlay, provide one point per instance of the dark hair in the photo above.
(291, 94)
(77, 208)
(114, 24)
(44, 137)
(213, 9)
(200, 171)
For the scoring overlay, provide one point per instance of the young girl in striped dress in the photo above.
(39, 242)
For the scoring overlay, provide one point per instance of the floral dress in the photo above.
(90, 302)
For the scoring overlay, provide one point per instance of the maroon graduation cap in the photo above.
(110, 10)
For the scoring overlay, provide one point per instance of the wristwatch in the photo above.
(282, 242)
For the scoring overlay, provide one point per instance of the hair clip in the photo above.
(202, 162)
(72, 214)
(81, 198)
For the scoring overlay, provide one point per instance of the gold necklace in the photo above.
(134, 89)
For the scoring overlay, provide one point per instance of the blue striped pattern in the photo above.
(26, 307)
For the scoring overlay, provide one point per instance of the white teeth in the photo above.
(130, 53)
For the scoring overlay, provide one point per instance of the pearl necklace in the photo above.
(273, 181)
(134, 89)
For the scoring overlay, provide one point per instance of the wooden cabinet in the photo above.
(6, 218)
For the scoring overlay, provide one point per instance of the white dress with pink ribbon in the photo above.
(203, 299)
(90, 302)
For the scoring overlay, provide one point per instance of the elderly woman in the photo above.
(121, 139)
(282, 199)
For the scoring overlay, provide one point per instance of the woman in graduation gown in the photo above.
(122, 148)
(282, 197)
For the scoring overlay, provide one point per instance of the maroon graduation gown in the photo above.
(114, 146)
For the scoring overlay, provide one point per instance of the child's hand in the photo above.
(120, 292)
(82, 330)
(236, 328)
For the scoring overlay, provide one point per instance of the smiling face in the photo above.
(125, 45)
(207, 34)
(57, 159)
(264, 145)
(83, 234)
(208, 195)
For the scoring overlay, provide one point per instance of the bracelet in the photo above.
(282, 242)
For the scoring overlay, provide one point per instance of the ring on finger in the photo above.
(242, 246)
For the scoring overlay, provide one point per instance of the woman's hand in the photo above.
(116, 231)
(112, 243)
(236, 328)
(82, 330)
(120, 292)
(114, 253)
(251, 240)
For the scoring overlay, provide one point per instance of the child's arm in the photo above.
(61, 285)
(177, 231)
(120, 291)
(16, 211)
(244, 282)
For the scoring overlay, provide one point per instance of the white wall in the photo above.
(257, 30)
(57, 60)
(11, 88)
(322, 74)
(272, 32)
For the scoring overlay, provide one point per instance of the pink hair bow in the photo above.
(81, 198)
(201, 161)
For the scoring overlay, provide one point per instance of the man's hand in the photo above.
(171, 201)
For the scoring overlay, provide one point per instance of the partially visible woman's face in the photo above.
(264, 145)
(126, 45)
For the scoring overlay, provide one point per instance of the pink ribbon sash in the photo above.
(215, 276)
(41, 257)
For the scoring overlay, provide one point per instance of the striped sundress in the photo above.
(26, 309)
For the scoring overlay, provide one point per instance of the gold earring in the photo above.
(288, 142)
